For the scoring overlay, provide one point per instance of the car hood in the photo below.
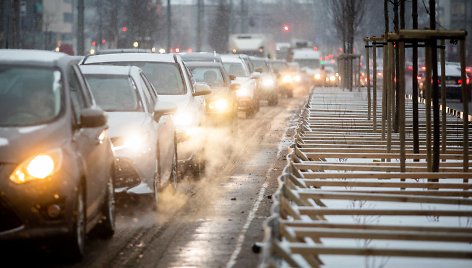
(121, 123)
(20, 143)
(179, 100)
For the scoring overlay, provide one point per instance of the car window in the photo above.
(235, 68)
(29, 96)
(210, 75)
(114, 93)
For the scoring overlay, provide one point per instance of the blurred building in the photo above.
(455, 14)
(39, 24)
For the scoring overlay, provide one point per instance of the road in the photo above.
(212, 222)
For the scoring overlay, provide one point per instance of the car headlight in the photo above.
(297, 78)
(332, 78)
(183, 119)
(135, 142)
(267, 82)
(243, 91)
(317, 76)
(220, 105)
(287, 78)
(38, 167)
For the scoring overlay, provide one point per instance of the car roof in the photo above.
(231, 58)
(108, 69)
(203, 64)
(200, 56)
(35, 57)
(129, 57)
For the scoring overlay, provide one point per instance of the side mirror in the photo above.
(232, 77)
(201, 89)
(234, 87)
(255, 75)
(163, 108)
(93, 117)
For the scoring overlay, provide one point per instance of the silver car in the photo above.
(173, 82)
(141, 129)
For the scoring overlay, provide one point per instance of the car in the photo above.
(173, 83)
(56, 159)
(267, 82)
(453, 81)
(141, 129)
(248, 100)
(287, 79)
(221, 104)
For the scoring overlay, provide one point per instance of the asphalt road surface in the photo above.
(211, 222)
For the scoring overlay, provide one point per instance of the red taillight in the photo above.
(467, 81)
(418, 77)
(459, 82)
(410, 68)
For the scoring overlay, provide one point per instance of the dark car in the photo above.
(267, 82)
(56, 161)
(221, 104)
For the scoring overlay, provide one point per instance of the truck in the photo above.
(259, 45)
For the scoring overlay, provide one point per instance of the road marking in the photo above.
(252, 214)
(242, 234)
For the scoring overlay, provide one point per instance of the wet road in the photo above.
(212, 222)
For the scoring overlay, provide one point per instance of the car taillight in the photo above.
(419, 78)
(467, 81)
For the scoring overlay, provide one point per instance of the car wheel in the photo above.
(106, 226)
(74, 242)
(199, 165)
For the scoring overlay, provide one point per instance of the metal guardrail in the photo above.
(343, 202)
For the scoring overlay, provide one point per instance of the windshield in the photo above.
(29, 96)
(260, 64)
(235, 68)
(210, 75)
(165, 77)
(310, 63)
(114, 92)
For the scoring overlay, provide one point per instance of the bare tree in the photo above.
(347, 16)
(219, 33)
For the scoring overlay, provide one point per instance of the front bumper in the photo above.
(25, 210)
(135, 172)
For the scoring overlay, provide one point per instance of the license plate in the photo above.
(450, 82)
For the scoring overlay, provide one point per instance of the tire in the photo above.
(199, 166)
(106, 227)
(73, 245)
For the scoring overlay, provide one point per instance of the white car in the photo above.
(173, 83)
(141, 129)
(248, 100)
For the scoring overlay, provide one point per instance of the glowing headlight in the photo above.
(298, 78)
(243, 92)
(317, 76)
(332, 78)
(268, 82)
(220, 105)
(183, 119)
(37, 167)
(135, 142)
(287, 78)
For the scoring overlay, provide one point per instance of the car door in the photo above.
(89, 143)
(165, 134)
